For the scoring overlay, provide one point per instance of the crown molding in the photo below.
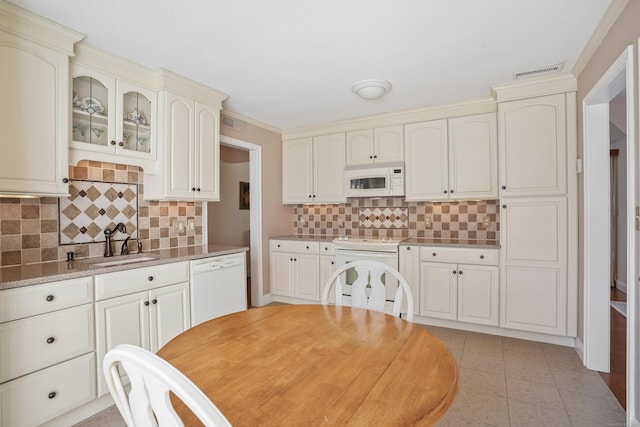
(466, 108)
(27, 25)
(528, 88)
(608, 19)
(166, 79)
(249, 120)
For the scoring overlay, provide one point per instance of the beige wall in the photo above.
(276, 217)
(623, 33)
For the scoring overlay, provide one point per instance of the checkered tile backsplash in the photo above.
(393, 217)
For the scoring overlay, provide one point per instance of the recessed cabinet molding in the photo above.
(452, 159)
(113, 120)
(313, 170)
(34, 123)
(378, 145)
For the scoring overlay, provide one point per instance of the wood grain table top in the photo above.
(314, 364)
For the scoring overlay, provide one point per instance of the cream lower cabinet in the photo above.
(534, 264)
(327, 263)
(47, 359)
(148, 318)
(459, 284)
(409, 267)
(295, 269)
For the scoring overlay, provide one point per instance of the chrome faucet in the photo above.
(107, 238)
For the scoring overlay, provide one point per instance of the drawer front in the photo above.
(38, 342)
(297, 246)
(38, 299)
(44, 395)
(327, 249)
(459, 255)
(125, 282)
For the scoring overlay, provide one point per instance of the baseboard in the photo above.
(621, 286)
(580, 349)
(82, 413)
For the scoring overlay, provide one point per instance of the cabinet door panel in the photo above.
(532, 139)
(473, 157)
(534, 299)
(307, 276)
(438, 290)
(169, 314)
(297, 166)
(282, 273)
(426, 170)
(388, 144)
(179, 136)
(207, 153)
(360, 147)
(121, 320)
(409, 267)
(328, 168)
(478, 294)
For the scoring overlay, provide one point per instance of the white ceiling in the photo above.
(291, 63)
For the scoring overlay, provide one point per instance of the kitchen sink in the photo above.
(122, 260)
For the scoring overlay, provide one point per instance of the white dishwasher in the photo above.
(218, 287)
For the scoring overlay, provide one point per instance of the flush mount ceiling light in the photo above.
(371, 89)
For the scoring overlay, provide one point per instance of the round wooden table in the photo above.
(314, 364)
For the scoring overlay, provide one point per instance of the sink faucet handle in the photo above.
(139, 245)
(125, 246)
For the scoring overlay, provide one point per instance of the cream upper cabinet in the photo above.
(34, 105)
(113, 120)
(452, 159)
(313, 169)
(532, 137)
(379, 145)
(189, 151)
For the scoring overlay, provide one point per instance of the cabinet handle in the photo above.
(455, 272)
(481, 256)
(155, 301)
(50, 298)
(121, 144)
(65, 180)
(113, 143)
(146, 303)
(50, 340)
(150, 278)
(504, 206)
(52, 394)
(460, 272)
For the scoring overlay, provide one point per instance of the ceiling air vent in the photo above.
(227, 122)
(539, 71)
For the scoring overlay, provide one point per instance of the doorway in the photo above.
(597, 221)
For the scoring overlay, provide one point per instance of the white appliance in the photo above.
(383, 180)
(218, 287)
(372, 249)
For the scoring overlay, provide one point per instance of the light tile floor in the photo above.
(508, 382)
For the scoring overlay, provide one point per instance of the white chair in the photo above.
(152, 378)
(368, 290)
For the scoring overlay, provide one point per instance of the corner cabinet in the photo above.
(313, 169)
(113, 120)
(452, 159)
(188, 148)
(34, 106)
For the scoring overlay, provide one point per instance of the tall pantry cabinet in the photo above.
(537, 146)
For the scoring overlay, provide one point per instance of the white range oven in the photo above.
(349, 249)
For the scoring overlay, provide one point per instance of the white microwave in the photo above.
(375, 181)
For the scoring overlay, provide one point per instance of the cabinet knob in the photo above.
(309, 195)
(504, 206)
(408, 248)
(307, 247)
(332, 262)
(198, 189)
(481, 256)
(121, 144)
(50, 340)
(65, 180)
(113, 143)
(150, 278)
(371, 157)
(52, 395)
(460, 272)
(455, 272)
(433, 254)
(50, 298)
(451, 191)
(193, 188)
(278, 245)
(146, 303)
(155, 301)
(295, 259)
(504, 187)
(445, 191)
(375, 156)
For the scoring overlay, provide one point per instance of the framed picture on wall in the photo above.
(244, 195)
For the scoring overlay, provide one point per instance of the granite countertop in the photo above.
(480, 244)
(32, 274)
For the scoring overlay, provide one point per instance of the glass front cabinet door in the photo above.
(112, 118)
